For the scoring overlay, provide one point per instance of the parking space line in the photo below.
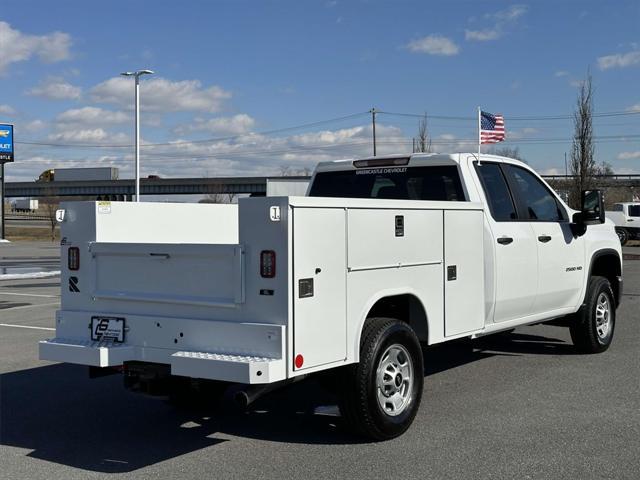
(26, 326)
(29, 294)
(22, 307)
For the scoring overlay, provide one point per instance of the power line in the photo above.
(515, 118)
(190, 142)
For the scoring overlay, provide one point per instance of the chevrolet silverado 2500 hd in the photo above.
(382, 255)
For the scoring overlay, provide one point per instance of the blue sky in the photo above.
(228, 73)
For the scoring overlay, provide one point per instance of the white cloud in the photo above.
(236, 125)
(619, 60)
(162, 95)
(55, 88)
(501, 20)
(7, 110)
(33, 126)
(17, 46)
(561, 73)
(482, 35)
(89, 136)
(92, 116)
(629, 155)
(634, 108)
(510, 14)
(576, 83)
(434, 45)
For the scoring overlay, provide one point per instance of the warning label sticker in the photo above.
(104, 207)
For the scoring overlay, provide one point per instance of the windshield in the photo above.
(397, 183)
(634, 210)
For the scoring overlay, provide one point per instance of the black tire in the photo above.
(359, 406)
(586, 335)
(623, 235)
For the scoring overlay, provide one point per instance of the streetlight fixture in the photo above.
(137, 74)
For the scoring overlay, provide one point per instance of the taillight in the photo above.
(268, 264)
(73, 257)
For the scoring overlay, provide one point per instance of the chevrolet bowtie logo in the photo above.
(4, 133)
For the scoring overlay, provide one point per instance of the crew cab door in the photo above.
(514, 246)
(561, 268)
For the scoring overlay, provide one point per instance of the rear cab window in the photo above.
(437, 182)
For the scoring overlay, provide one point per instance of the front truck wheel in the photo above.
(381, 394)
(623, 235)
(593, 325)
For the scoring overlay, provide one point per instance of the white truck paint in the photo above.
(626, 218)
(194, 287)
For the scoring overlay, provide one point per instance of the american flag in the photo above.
(491, 128)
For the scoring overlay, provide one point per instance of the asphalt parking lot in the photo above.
(521, 405)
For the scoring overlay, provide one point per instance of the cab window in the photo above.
(535, 201)
(497, 192)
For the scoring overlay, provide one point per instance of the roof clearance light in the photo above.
(381, 162)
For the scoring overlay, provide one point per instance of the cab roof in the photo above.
(414, 160)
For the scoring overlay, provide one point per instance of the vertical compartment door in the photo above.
(463, 271)
(319, 290)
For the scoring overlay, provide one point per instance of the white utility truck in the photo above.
(383, 255)
(626, 218)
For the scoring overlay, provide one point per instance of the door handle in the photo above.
(544, 238)
(505, 240)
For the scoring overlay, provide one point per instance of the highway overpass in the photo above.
(119, 189)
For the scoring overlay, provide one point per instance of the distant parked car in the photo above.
(626, 217)
(153, 177)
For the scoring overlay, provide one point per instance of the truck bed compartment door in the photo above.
(319, 290)
(463, 271)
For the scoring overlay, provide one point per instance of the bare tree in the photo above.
(423, 141)
(49, 206)
(285, 171)
(509, 152)
(216, 194)
(583, 165)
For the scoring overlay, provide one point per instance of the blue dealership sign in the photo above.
(6, 143)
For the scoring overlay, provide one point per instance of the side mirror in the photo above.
(592, 207)
(591, 211)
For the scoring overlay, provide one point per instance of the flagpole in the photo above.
(479, 135)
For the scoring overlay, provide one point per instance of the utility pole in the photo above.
(373, 121)
(566, 170)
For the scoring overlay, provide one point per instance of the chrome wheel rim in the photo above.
(620, 235)
(603, 316)
(394, 380)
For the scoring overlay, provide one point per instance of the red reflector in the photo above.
(299, 361)
(267, 264)
(73, 256)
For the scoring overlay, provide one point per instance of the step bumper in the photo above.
(247, 369)
(228, 367)
(95, 354)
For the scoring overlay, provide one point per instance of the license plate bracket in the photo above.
(107, 329)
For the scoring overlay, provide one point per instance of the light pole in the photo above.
(137, 74)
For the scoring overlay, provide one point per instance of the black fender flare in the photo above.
(616, 288)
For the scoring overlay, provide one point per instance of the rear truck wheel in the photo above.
(381, 394)
(593, 325)
(623, 235)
